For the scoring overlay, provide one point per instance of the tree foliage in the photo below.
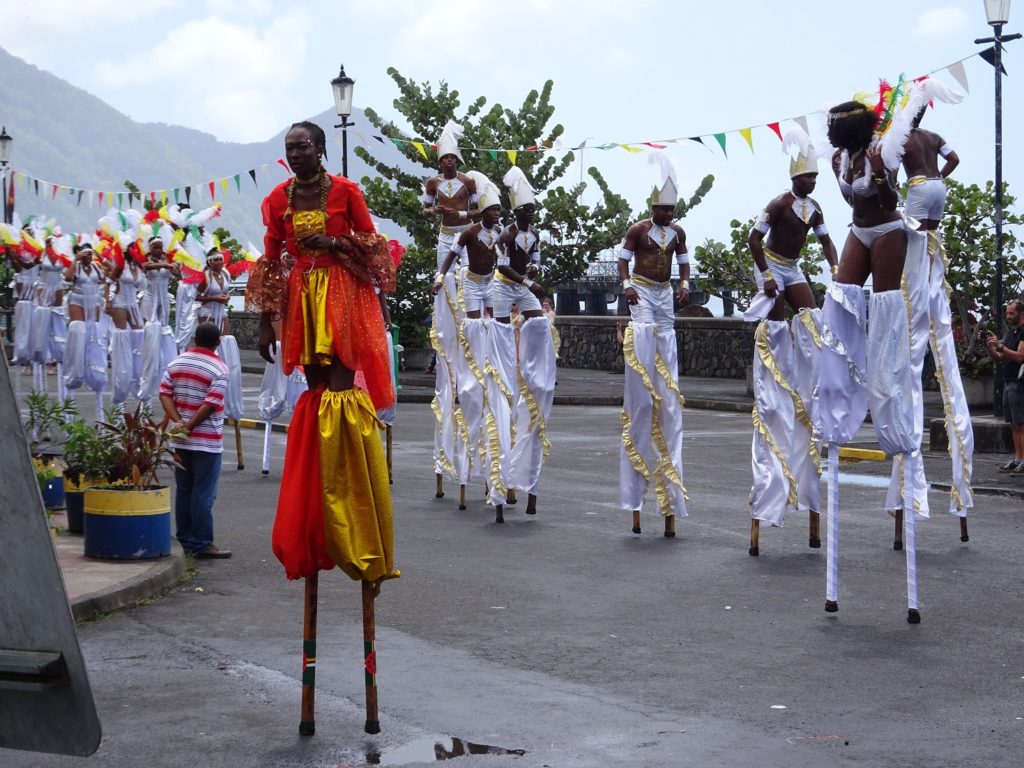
(573, 232)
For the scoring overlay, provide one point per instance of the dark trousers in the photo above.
(194, 494)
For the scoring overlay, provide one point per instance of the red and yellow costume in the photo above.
(334, 506)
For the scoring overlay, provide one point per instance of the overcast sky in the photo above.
(623, 72)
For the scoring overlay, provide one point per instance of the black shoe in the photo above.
(212, 553)
(1018, 471)
(1009, 466)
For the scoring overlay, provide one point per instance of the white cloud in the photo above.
(219, 76)
(937, 24)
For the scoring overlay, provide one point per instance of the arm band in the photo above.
(527, 282)
(459, 249)
(626, 284)
(474, 199)
(767, 275)
(463, 214)
(762, 226)
(535, 256)
(626, 254)
(427, 199)
(821, 230)
(683, 258)
(945, 150)
(438, 278)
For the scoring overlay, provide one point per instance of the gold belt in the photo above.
(478, 278)
(773, 256)
(913, 181)
(446, 230)
(646, 282)
(508, 280)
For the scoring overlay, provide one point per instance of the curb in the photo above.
(157, 580)
(985, 490)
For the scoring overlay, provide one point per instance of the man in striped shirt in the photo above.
(192, 394)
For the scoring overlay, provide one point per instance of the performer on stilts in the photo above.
(49, 318)
(652, 409)
(159, 346)
(129, 280)
(26, 278)
(534, 379)
(85, 356)
(334, 506)
(866, 362)
(928, 294)
(785, 452)
(452, 196)
(483, 389)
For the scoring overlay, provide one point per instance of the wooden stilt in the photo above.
(238, 445)
(755, 535)
(370, 657)
(897, 542)
(439, 493)
(462, 497)
(531, 504)
(636, 521)
(388, 446)
(670, 526)
(510, 496)
(307, 722)
(499, 513)
(814, 529)
(963, 530)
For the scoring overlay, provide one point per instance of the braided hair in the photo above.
(319, 137)
(851, 126)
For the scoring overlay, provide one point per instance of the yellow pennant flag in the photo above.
(747, 137)
(163, 198)
(224, 184)
(628, 148)
(512, 155)
(419, 147)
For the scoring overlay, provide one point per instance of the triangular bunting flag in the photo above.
(163, 198)
(252, 175)
(176, 190)
(652, 144)
(775, 128)
(493, 153)
(420, 149)
(35, 183)
(397, 143)
(284, 165)
(512, 155)
(213, 194)
(748, 137)
(80, 193)
(802, 122)
(379, 138)
(152, 197)
(959, 74)
(99, 196)
(628, 148)
(989, 55)
(120, 199)
(53, 195)
(224, 185)
(238, 182)
(720, 138)
(188, 196)
(698, 139)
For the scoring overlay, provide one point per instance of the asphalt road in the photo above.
(570, 638)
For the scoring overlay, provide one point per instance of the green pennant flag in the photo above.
(720, 138)
(175, 195)
(238, 182)
(493, 153)
(397, 143)
(120, 199)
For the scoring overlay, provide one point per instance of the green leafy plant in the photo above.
(89, 453)
(45, 422)
(141, 446)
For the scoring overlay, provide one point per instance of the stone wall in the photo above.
(712, 347)
(245, 327)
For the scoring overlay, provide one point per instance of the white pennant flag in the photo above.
(802, 122)
(959, 74)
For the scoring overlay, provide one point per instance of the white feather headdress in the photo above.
(666, 189)
(520, 190)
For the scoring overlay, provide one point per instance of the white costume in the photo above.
(652, 413)
(126, 344)
(217, 284)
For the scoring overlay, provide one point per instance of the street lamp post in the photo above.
(342, 86)
(8, 214)
(998, 13)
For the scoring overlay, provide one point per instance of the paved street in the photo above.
(570, 638)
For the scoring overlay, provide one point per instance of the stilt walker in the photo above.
(271, 400)
(652, 411)
(86, 349)
(450, 195)
(159, 346)
(533, 368)
(334, 506)
(785, 456)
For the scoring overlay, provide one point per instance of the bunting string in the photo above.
(212, 187)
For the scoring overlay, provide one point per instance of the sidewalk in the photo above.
(97, 586)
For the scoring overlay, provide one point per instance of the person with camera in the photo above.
(1008, 355)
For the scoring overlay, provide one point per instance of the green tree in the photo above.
(968, 232)
(574, 233)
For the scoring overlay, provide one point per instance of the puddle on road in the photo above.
(435, 748)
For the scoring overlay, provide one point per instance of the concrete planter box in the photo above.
(978, 391)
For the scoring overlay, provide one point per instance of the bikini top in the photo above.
(861, 187)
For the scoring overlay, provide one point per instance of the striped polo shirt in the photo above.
(193, 378)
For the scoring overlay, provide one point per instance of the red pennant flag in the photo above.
(652, 144)
(99, 197)
(775, 128)
(152, 197)
(54, 194)
(284, 165)
(211, 190)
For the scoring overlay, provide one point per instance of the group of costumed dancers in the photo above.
(816, 377)
(96, 307)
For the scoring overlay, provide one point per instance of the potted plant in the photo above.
(44, 426)
(130, 518)
(88, 460)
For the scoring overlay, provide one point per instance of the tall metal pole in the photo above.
(997, 309)
(344, 145)
(7, 217)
